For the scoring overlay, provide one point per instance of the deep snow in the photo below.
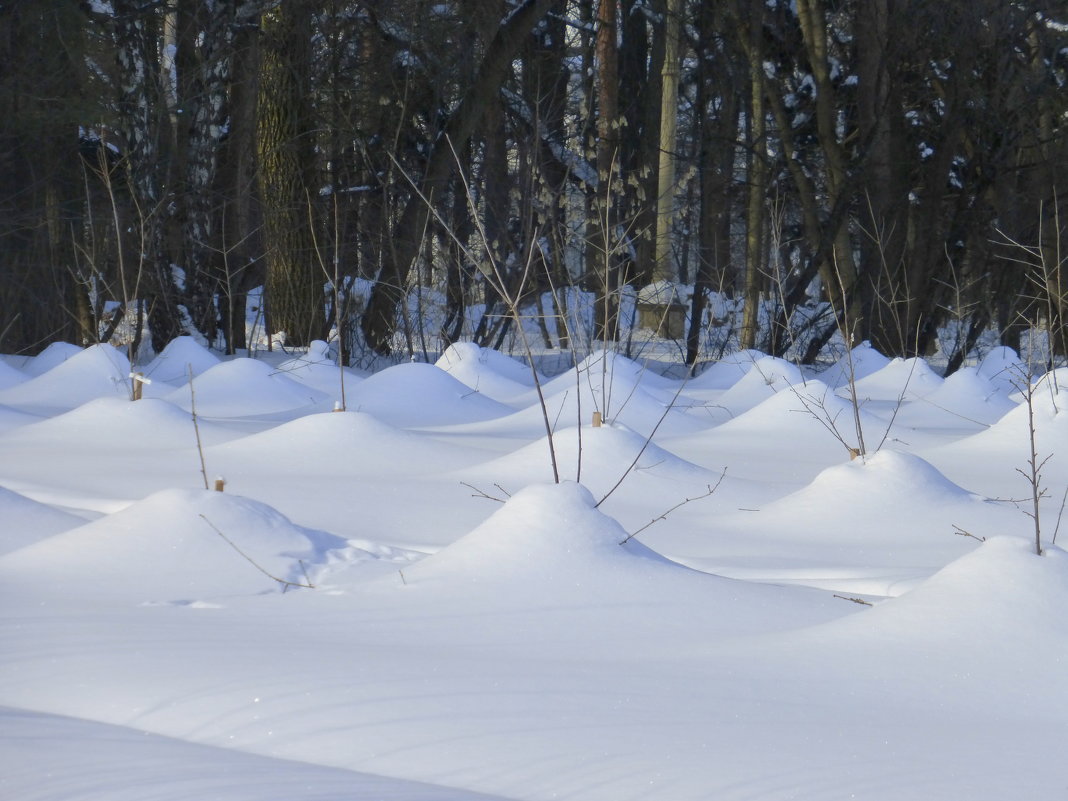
(807, 626)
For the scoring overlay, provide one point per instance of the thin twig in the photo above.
(855, 600)
(285, 584)
(482, 494)
(645, 444)
(965, 533)
(711, 489)
(1060, 516)
(196, 426)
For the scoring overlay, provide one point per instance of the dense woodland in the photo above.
(895, 165)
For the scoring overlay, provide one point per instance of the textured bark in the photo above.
(205, 114)
(602, 257)
(717, 111)
(294, 288)
(663, 269)
(755, 262)
(136, 32)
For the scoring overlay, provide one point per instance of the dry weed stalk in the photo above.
(283, 582)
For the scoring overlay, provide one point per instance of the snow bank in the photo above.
(164, 549)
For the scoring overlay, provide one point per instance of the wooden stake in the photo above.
(138, 381)
(220, 482)
(597, 420)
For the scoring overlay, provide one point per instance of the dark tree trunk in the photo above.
(380, 319)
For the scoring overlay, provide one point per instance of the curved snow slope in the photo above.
(622, 398)
(966, 401)
(494, 374)
(173, 364)
(316, 369)
(910, 510)
(548, 546)
(162, 549)
(11, 419)
(995, 455)
(999, 589)
(907, 378)
(246, 388)
(118, 424)
(874, 526)
(603, 456)
(88, 761)
(52, 356)
(339, 443)
(1005, 370)
(861, 362)
(613, 371)
(794, 430)
(726, 372)
(24, 521)
(421, 395)
(10, 376)
(766, 377)
(96, 372)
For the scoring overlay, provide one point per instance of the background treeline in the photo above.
(896, 164)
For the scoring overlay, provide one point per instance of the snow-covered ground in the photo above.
(734, 610)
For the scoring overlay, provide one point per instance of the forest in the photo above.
(879, 169)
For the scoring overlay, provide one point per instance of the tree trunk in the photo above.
(757, 185)
(380, 319)
(663, 269)
(294, 289)
(603, 257)
(140, 92)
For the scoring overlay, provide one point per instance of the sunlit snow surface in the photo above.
(396, 601)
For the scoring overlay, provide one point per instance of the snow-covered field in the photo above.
(815, 628)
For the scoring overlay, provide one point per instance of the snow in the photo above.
(749, 614)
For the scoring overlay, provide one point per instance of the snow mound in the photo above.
(908, 378)
(726, 372)
(164, 549)
(96, 372)
(966, 396)
(339, 443)
(494, 374)
(885, 479)
(1008, 438)
(611, 369)
(117, 423)
(1000, 603)
(172, 365)
(909, 508)
(24, 521)
(10, 376)
(246, 387)
(1002, 586)
(318, 370)
(605, 455)
(619, 402)
(767, 376)
(800, 415)
(52, 356)
(547, 538)
(13, 418)
(861, 362)
(417, 394)
(1004, 368)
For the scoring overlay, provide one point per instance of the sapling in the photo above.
(196, 426)
(1032, 472)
